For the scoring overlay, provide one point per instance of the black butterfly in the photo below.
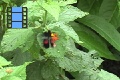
(49, 39)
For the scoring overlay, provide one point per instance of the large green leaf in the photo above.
(17, 72)
(91, 40)
(52, 7)
(107, 9)
(17, 38)
(50, 71)
(76, 60)
(85, 5)
(20, 58)
(104, 28)
(115, 20)
(33, 71)
(91, 6)
(88, 75)
(70, 13)
(110, 77)
(96, 75)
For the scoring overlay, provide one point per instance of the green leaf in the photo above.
(35, 12)
(91, 6)
(4, 62)
(53, 8)
(75, 60)
(115, 20)
(35, 50)
(107, 10)
(96, 75)
(70, 13)
(91, 41)
(88, 75)
(85, 5)
(20, 58)
(19, 71)
(11, 78)
(50, 71)
(96, 23)
(110, 77)
(57, 51)
(17, 38)
(34, 71)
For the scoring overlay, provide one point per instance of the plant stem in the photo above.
(4, 8)
(45, 19)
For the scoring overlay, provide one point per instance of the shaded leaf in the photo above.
(107, 9)
(96, 23)
(50, 71)
(91, 40)
(85, 5)
(34, 71)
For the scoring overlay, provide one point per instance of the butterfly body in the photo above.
(49, 39)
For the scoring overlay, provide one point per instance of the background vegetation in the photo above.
(88, 47)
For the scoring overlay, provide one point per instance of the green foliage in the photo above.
(103, 30)
(9, 73)
(4, 62)
(91, 24)
(21, 39)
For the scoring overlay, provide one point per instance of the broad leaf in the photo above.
(91, 6)
(111, 76)
(96, 75)
(96, 23)
(33, 71)
(17, 38)
(115, 20)
(19, 71)
(50, 71)
(85, 5)
(91, 40)
(70, 13)
(20, 58)
(53, 8)
(76, 60)
(107, 9)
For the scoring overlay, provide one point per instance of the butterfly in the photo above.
(49, 39)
